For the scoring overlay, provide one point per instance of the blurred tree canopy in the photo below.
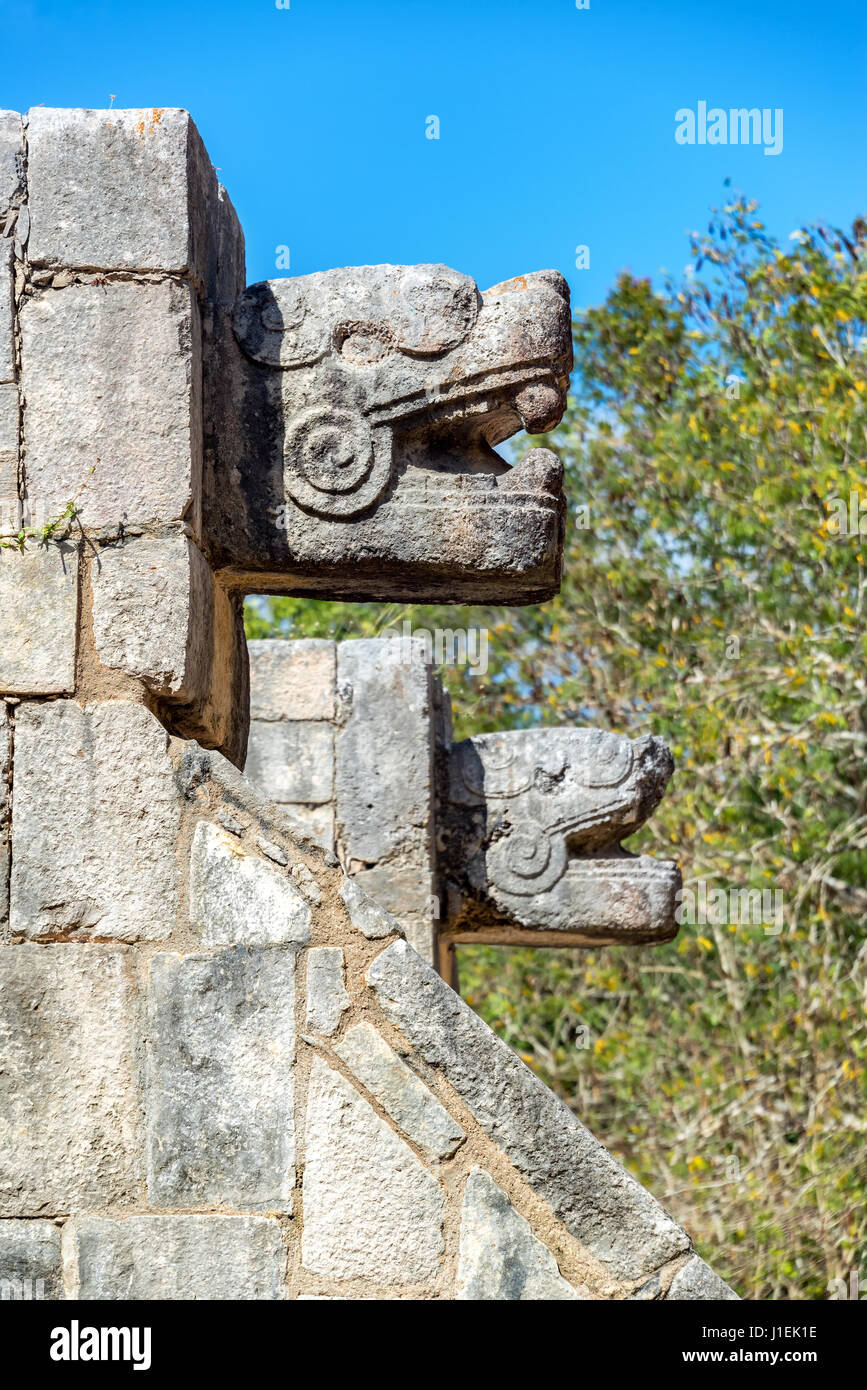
(714, 593)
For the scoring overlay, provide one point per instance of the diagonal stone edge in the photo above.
(599, 1202)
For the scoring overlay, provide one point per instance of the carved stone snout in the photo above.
(370, 400)
(535, 819)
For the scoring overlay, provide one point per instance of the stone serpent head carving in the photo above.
(536, 819)
(369, 401)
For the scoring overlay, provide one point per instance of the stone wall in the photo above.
(225, 1073)
(343, 738)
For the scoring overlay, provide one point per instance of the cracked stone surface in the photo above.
(500, 1258)
(413, 1107)
(371, 1210)
(96, 818)
(220, 1087)
(236, 898)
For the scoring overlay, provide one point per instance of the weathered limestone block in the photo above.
(5, 803)
(366, 915)
(39, 604)
(598, 1201)
(69, 1097)
(315, 823)
(403, 1095)
(500, 1258)
(327, 999)
(30, 1264)
(11, 160)
(696, 1280)
(533, 830)
(9, 508)
(408, 894)
(371, 1210)
(180, 1258)
(160, 617)
(384, 765)
(7, 323)
(292, 761)
(95, 822)
(293, 680)
(151, 602)
(112, 379)
(130, 190)
(221, 1046)
(237, 899)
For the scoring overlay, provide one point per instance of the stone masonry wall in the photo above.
(343, 739)
(224, 1073)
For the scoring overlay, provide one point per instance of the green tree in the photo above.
(715, 596)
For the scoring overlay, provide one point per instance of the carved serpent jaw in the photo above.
(375, 396)
(535, 821)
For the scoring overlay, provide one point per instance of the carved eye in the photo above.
(275, 323)
(435, 309)
(609, 758)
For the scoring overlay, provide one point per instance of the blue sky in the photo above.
(556, 124)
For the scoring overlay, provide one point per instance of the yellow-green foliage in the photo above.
(711, 600)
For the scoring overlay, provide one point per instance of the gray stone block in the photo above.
(38, 615)
(532, 830)
(599, 1202)
(30, 1265)
(221, 1046)
(96, 816)
(366, 915)
(5, 802)
(293, 680)
(111, 376)
(327, 999)
(236, 898)
(408, 894)
(7, 309)
(8, 434)
(403, 1095)
(11, 159)
(314, 823)
(130, 190)
(152, 613)
(695, 1281)
(500, 1258)
(69, 1098)
(384, 764)
(180, 1258)
(371, 1210)
(292, 761)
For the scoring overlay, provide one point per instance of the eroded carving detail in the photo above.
(378, 394)
(535, 819)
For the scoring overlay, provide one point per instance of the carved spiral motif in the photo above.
(526, 861)
(333, 464)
